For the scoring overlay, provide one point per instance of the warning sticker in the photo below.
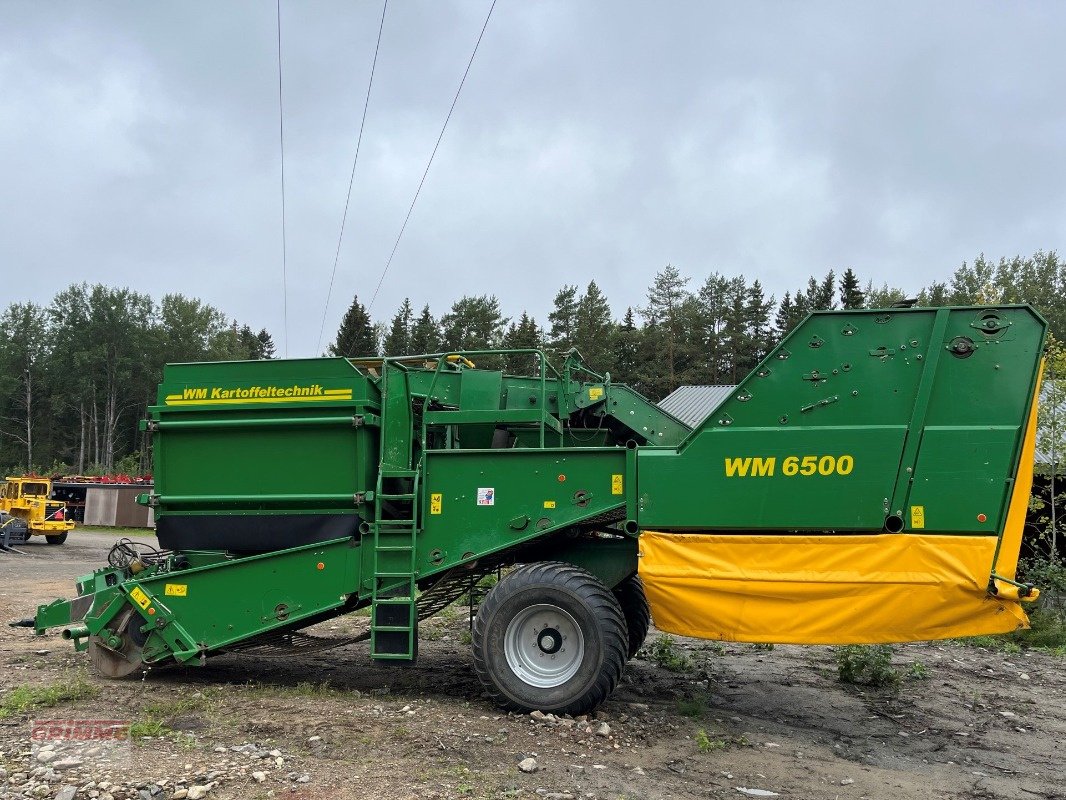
(549, 504)
(595, 392)
(917, 516)
(616, 484)
(486, 497)
(176, 589)
(139, 597)
(435, 502)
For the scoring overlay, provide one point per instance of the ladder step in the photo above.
(394, 601)
(391, 628)
(394, 548)
(396, 496)
(393, 575)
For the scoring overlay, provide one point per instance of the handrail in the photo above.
(442, 360)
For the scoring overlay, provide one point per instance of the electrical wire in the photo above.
(351, 180)
(432, 155)
(284, 243)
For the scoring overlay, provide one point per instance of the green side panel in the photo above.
(491, 500)
(396, 418)
(856, 417)
(959, 477)
(745, 469)
(264, 437)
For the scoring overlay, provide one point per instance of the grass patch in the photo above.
(22, 699)
(159, 715)
(665, 652)
(705, 744)
(694, 706)
(709, 743)
(867, 665)
(1047, 634)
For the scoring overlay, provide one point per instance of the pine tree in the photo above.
(563, 319)
(626, 350)
(425, 333)
(266, 349)
(398, 340)
(666, 330)
(760, 334)
(593, 328)
(826, 292)
(475, 323)
(735, 330)
(525, 335)
(851, 296)
(785, 319)
(712, 358)
(356, 336)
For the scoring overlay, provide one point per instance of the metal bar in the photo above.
(909, 459)
(263, 422)
(354, 499)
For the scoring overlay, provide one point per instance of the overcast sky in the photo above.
(593, 140)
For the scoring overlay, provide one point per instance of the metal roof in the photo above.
(693, 404)
(1044, 454)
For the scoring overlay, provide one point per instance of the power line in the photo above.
(351, 180)
(432, 155)
(284, 243)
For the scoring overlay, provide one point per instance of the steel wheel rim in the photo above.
(544, 646)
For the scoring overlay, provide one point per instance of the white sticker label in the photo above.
(486, 497)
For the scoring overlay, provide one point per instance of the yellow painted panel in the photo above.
(823, 589)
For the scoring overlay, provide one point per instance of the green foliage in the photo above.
(851, 296)
(705, 744)
(357, 335)
(425, 333)
(693, 706)
(23, 699)
(525, 335)
(398, 340)
(77, 373)
(665, 652)
(867, 665)
(918, 671)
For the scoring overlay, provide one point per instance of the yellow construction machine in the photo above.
(27, 510)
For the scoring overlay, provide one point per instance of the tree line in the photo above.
(709, 332)
(77, 375)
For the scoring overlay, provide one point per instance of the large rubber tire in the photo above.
(635, 609)
(58, 538)
(524, 628)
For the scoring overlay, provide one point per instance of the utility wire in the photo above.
(410, 210)
(351, 180)
(284, 243)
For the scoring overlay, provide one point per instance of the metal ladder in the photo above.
(393, 615)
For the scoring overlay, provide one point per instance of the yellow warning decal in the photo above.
(549, 504)
(917, 516)
(140, 598)
(616, 484)
(595, 392)
(435, 503)
(176, 589)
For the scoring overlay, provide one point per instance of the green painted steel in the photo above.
(857, 420)
(299, 490)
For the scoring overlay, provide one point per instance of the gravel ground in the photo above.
(734, 722)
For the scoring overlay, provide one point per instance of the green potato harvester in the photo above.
(867, 482)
